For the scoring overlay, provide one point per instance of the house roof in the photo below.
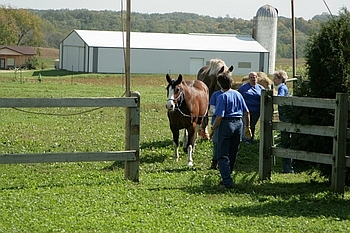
(199, 42)
(24, 50)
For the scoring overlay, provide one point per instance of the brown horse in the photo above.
(187, 106)
(208, 74)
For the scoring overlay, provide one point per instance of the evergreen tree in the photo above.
(328, 69)
(328, 57)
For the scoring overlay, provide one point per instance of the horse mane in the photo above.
(215, 65)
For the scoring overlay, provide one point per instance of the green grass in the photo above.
(170, 197)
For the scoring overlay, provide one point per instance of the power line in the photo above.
(329, 10)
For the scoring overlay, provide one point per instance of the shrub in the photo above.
(328, 69)
(33, 63)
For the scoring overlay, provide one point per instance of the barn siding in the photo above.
(79, 56)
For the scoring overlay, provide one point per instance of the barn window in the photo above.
(244, 65)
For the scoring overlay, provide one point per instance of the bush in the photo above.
(33, 63)
(328, 69)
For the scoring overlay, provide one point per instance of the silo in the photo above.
(265, 32)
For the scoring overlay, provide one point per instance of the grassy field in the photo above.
(170, 197)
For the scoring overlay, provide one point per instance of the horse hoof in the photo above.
(190, 164)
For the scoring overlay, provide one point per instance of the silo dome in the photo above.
(265, 32)
(267, 11)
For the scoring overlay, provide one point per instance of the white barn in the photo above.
(159, 53)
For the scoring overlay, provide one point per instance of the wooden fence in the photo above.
(338, 132)
(130, 155)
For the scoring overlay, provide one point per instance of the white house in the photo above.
(159, 53)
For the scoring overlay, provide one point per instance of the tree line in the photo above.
(47, 28)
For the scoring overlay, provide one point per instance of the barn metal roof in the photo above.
(198, 42)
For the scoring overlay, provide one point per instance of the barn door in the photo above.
(196, 64)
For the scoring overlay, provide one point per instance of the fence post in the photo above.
(133, 139)
(339, 142)
(266, 134)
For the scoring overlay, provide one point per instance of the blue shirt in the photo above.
(212, 101)
(252, 96)
(230, 104)
(282, 90)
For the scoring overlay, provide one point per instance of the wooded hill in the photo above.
(57, 24)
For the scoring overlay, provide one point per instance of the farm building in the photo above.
(15, 56)
(103, 52)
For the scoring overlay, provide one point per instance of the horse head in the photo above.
(225, 75)
(174, 92)
(223, 72)
(229, 70)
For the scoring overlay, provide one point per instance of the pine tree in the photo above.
(328, 71)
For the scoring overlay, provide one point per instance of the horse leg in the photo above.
(185, 140)
(192, 135)
(176, 143)
(203, 132)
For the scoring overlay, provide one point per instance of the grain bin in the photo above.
(265, 32)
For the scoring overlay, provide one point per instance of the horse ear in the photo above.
(221, 70)
(168, 78)
(231, 68)
(179, 79)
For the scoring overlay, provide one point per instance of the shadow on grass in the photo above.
(292, 200)
(157, 154)
(309, 199)
(147, 157)
(114, 166)
(54, 72)
(156, 144)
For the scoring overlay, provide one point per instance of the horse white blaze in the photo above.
(170, 105)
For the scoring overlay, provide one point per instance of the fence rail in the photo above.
(338, 132)
(130, 155)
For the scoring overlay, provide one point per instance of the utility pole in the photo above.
(132, 129)
(127, 53)
(293, 40)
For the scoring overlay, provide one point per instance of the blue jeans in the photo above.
(215, 145)
(254, 117)
(287, 163)
(229, 137)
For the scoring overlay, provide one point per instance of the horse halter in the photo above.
(177, 100)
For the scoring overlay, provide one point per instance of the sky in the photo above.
(216, 8)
